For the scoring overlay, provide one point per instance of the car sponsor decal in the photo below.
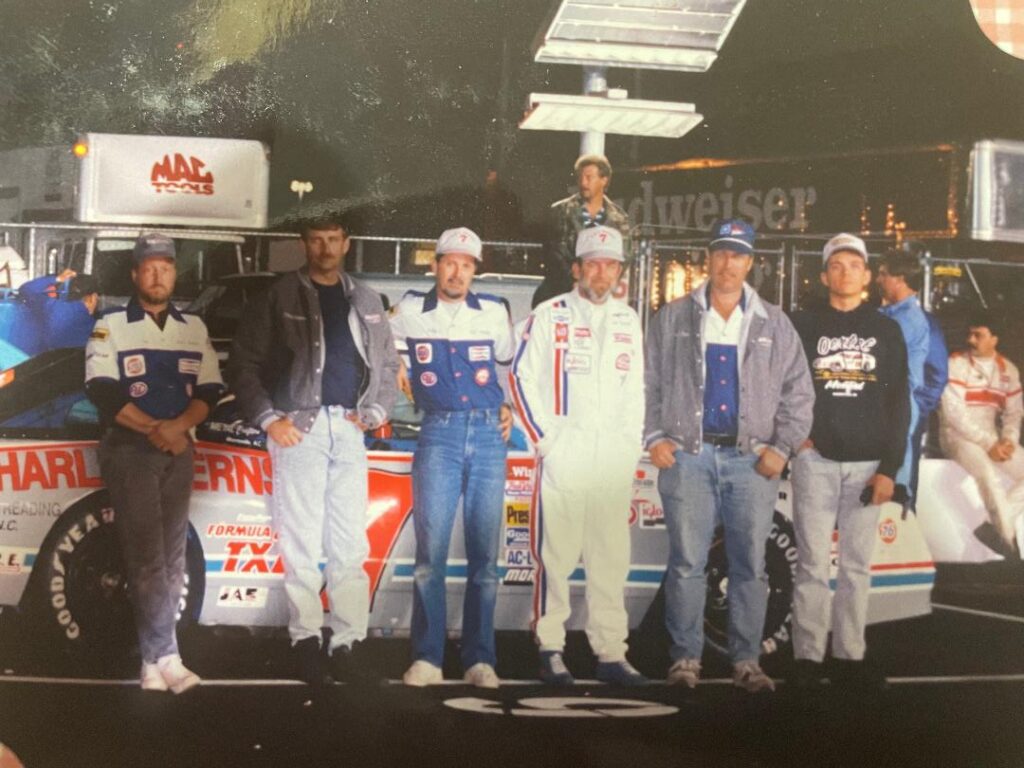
(242, 597)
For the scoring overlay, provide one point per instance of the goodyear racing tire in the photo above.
(80, 593)
(780, 565)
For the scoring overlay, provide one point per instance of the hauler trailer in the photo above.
(82, 206)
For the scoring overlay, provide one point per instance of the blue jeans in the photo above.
(459, 454)
(717, 485)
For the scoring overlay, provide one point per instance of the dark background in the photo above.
(408, 106)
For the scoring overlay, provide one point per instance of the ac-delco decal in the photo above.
(177, 174)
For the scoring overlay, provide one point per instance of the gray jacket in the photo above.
(277, 357)
(776, 391)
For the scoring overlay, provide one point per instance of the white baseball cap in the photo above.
(459, 240)
(844, 242)
(599, 243)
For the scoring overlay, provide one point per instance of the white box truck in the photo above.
(82, 206)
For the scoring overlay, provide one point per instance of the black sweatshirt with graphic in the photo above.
(858, 361)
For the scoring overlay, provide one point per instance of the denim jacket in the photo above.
(277, 357)
(776, 391)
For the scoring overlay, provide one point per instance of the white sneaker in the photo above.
(151, 679)
(684, 672)
(178, 677)
(749, 676)
(422, 673)
(482, 676)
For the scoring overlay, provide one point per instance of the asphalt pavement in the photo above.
(955, 699)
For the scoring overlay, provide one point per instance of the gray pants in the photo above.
(149, 491)
(826, 494)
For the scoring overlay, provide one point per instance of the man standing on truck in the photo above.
(981, 416)
(847, 467)
(451, 341)
(578, 385)
(729, 398)
(153, 375)
(314, 365)
(590, 207)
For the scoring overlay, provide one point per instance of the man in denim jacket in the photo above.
(315, 366)
(729, 399)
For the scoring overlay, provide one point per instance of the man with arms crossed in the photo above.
(846, 469)
(314, 365)
(577, 383)
(451, 341)
(729, 398)
(153, 375)
(980, 415)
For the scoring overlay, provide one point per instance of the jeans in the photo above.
(717, 485)
(827, 493)
(459, 454)
(150, 492)
(319, 508)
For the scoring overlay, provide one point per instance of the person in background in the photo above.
(589, 207)
(898, 278)
(153, 375)
(980, 419)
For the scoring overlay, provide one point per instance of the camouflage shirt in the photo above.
(568, 217)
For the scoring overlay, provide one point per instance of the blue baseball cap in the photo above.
(153, 245)
(732, 234)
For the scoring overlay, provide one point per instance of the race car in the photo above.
(60, 561)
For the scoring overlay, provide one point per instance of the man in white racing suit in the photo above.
(980, 425)
(577, 383)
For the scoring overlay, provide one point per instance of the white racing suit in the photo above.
(977, 411)
(577, 383)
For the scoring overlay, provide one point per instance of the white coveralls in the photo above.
(981, 405)
(577, 383)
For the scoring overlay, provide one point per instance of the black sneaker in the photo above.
(807, 675)
(310, 663)
(553, 670)
(349, 665)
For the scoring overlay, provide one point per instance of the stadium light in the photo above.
(600, 114)
(679, 35)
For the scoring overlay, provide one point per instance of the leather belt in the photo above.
(720, 441)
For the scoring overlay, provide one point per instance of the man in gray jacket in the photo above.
(314, 365)
(729, 398)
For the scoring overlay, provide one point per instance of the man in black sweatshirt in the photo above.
(845, 470)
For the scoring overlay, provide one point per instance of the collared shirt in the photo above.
(570, 217)
(452, 356)
(916, 334)
(160, 370)
(721, 341)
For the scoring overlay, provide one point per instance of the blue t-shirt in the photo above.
(343, 365)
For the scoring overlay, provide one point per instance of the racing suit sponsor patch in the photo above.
(424, 353)
(576, 362)
(478, 353)
(135, 365)
(428, 378)
(623, 362)
(188, 365)
(99, 334)
(138, 389)
(482, 376)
